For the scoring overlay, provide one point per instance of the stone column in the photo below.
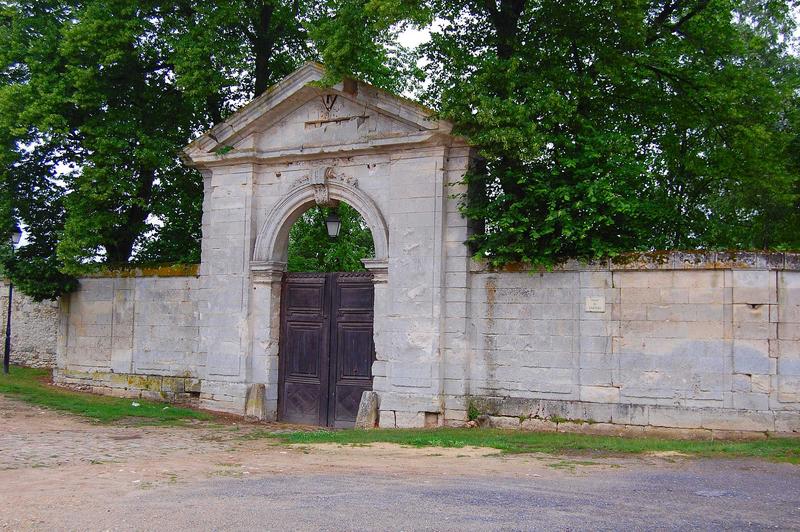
(265, 321)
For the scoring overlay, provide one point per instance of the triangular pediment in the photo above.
(296, 116)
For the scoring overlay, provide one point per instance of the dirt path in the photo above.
(60, 472)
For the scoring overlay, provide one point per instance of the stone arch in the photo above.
(272, 241)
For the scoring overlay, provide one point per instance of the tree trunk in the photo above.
(120, 245)
(262, 44)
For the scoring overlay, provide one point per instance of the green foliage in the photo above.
(518, 441)
(358, 39)
(312, 250)
(603, 126)
(31, 385)
(607, 127)
(472, 411)
(97, 98)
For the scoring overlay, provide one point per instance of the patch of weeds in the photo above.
(472, 412)
(562, 465)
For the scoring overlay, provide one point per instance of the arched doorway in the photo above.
(327, 312)
(314, 312)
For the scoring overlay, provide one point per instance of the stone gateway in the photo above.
(699, 342)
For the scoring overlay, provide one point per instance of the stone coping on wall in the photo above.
(166, 270)
(665, 260)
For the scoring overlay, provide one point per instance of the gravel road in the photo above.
(60, 473)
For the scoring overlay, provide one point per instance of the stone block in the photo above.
(788, 389)
(754, 287)
(707, 296)
(599, 394)
(670, 296)
(695, 279)
(634, 279)
(755, 330)
(595, 344)
(368, 411)
(255, 401)
(738, 420)
(789, 366)
(750, 401)
(639, 295)
(660, 416)
(629, 414)
(502, 422)
(751, 313)
(789, 331)
(409, 420)
(788, 422)
(751, 356)
(741, 383)
(632, 311)
(761, 383)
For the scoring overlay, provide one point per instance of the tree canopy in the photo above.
(602, 127)
(97, 98)
(607, 127)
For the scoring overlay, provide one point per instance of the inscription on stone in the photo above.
(595, 304)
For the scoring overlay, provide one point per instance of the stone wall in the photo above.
(132, 336)
(703, 342)
(692, 342)
(34, 327)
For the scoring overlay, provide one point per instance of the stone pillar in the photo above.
(380, 278)
(265, 322)
(225, 283)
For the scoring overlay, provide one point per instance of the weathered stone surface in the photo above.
(34, 327)
(255, 403)
(368, 416)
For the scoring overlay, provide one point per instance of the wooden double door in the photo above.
(326, 347)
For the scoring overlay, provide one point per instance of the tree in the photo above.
(98, 97)
(613, 126)
(312, 250)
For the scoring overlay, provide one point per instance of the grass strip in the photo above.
(511, 441)
(32, 386)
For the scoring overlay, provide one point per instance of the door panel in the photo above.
(352, 340)
(304, 350)
(327, 348)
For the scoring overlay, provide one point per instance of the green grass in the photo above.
(779, 449)
(31, 385)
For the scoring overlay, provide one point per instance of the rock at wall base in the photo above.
(368, 415)
(254, 404)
